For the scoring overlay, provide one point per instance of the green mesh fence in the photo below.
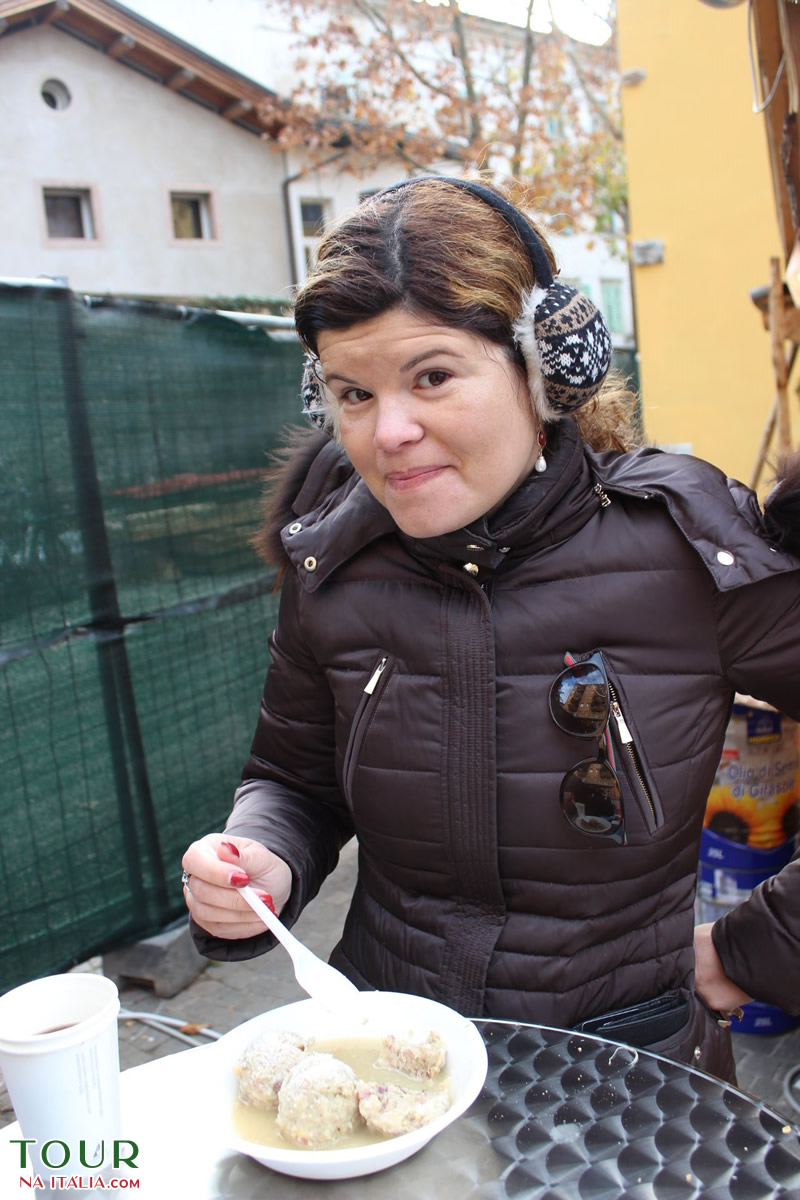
(134, 615)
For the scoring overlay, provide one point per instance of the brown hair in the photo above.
(441, 253)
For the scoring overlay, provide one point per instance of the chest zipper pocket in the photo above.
(362, 719)
(630, 759)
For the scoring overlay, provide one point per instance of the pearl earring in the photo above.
(541, 463)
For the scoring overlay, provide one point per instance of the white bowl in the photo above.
(387, 1012)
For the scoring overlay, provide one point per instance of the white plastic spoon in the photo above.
(323, 982)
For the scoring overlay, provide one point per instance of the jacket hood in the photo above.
(718, 515)
(306, 466)
(311, 476)
(782, 506)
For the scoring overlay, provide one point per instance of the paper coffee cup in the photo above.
(59, 1054)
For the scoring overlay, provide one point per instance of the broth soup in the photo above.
(258, 1125)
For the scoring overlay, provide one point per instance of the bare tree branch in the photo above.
(599, 111)
(462, 53)
(436, 81)
(383, 27)
(524, 95)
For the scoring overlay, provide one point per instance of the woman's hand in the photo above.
(219, 863)
(719, 992)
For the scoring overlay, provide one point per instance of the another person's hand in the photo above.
(718, 991)
(219, 863)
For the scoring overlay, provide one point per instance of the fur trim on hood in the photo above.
(290, 475)
(782, 506)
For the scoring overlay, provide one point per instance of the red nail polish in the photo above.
(239, 879)
(265, 896)
(230, 846)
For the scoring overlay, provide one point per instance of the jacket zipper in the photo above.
(362, 718)
(375, 676)
(626, 737)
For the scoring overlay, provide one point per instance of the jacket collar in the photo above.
(337, 515)
(319, 541)
(333, 515)
(544, 509)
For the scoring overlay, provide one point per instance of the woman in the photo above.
(506, 653)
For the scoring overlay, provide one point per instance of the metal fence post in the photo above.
(108, 628)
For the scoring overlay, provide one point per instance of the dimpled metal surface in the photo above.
(566, 1116)
(578, 1117)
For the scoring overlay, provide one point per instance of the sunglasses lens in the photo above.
(579, 702)
(591, 799)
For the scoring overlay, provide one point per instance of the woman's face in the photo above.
(436, 420)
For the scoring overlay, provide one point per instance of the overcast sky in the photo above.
(235, 31)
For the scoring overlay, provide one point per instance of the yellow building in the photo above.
(700, 183)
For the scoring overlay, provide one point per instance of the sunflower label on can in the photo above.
(754, 800)
(750, 825)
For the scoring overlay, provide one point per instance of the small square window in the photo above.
(313, 216)
(611, 304)
(191, 215)
(69, 213)
(335, 100)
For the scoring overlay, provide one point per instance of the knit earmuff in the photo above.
(311, 395)
(562, 335)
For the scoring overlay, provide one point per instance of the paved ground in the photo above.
(225, 994)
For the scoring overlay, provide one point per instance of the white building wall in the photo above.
(131, 141)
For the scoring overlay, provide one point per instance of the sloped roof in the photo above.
(115, 31)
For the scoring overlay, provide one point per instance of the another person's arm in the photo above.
(754, 950)
(718, 991)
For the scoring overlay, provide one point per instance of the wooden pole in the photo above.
(763, 447)
(776, 331)
(769, 426)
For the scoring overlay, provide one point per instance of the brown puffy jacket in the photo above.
(407, 702)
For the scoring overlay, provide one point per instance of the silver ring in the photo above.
(185, 877)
